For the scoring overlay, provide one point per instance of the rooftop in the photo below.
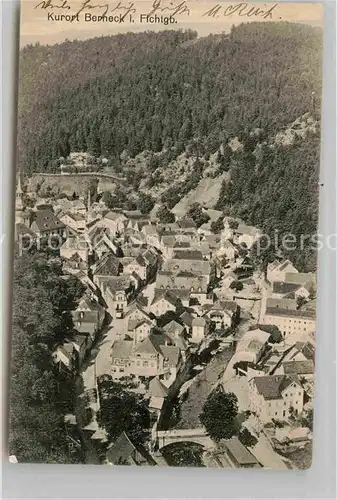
(272, 386)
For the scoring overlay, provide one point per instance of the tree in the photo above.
(236, 285)
(246, 438)
(145, 203)
(218, 415)
(164, 215)
(122, 410)
(196, 213)
(108, 199)
(300, 301)
(217, 226)
(308, 419)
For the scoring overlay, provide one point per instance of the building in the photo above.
(124, 452)
(108, 266)
(302, 369)
(238, 454)
(136, 312)
(291, 290)
(163, 301)
(190, 261)
(120, 358)
(227, 249)
(252, 346)
(229, 278)
(46, 225)
(75, 245)
(276, 271)
(116, 292)
(66, 358)
(139, 329)
(275, 397)
(158, 393)
(75, 222)
(199, 330)
(223, 313)
(115, 221)
(151, 357)
(291, 322)
(247, 235)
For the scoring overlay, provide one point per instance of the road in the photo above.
(99, 361)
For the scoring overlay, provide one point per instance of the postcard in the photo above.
(164, 309)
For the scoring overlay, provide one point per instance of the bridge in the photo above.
(198, 436)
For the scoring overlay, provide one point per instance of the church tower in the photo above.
(89, 207)
(19, 204)
(227, 233)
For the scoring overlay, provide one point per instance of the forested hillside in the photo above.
(150, 90)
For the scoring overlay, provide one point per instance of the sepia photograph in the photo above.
(166, 241)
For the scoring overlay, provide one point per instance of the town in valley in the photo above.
(212, 353)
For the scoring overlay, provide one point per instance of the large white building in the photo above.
(275, 397)
(291, 322)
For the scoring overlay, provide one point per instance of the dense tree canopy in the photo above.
(122, 410)
(218, 415)
(40, 395)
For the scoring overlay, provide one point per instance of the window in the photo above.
(145, 363)
(284, 413)
(138, 363)
(275, 413)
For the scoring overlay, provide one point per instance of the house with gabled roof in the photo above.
(109, 265)
(139, 329)
(186, 319)
(117, 291)
(75, 245)
(138, 265)
(276, 270)
(246, 235)
(200, 327)
(162, 302)
(124, 452)
(285, 290)
(76, 222)
(158, 393)
(223, 313)
(115, 221)
(275, 397)
(46, 224)
(154, 356)
(174, 328)
(75, 264)
(65, 357)
(136, 311)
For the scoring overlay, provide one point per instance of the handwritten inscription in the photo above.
(103, 9)
(242, 10)
(121, 11)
